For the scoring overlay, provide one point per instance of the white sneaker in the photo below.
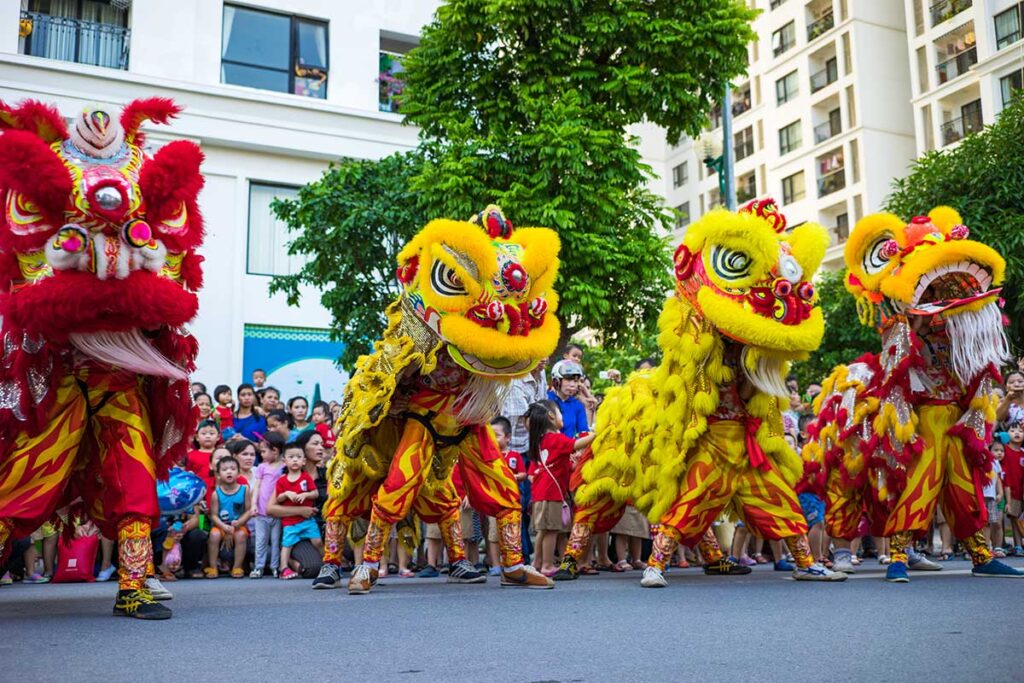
(653, 578)
(817, 572)
(923, 564)
(157, 590)
(844, 565)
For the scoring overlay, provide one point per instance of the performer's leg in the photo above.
(134, 557)
(709, 548)
(771, 509)
(5, 539)
(595, 517)
(442, 506)
(844, 508)
(355, 498)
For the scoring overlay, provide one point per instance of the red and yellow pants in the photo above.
(846, 506)
(97, 444)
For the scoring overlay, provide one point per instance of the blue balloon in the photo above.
(180, 492)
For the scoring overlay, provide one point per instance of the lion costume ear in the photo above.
(945, 217)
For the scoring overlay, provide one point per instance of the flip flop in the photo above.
(588, 571)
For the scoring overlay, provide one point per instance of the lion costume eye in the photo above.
(445, 281)
(730, 264)
(874, 260)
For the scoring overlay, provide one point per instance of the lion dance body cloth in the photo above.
(99, 271)
(477, 309)
(702, 432)
(900, 432)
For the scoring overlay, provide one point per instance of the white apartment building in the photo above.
(822, 121)
(274, 91)
(966, 59)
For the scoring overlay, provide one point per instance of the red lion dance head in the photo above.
(97, 257)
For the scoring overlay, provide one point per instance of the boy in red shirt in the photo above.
(198, 460)
(296, 489)
(1013, 481)
(502, 428)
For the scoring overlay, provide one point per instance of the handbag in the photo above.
(566, 506)
(75, 560)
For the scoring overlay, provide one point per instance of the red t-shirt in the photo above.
(558, 447)
(515, 462)
(198, 462)
(225, 417)
(326, 434)
(1013, 471)
(303, 484)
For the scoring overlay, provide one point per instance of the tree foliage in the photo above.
(350, 224)
(599, 358)
(526, 103)
(983, 178)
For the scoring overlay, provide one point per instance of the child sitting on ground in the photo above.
(296, 489)
(230, 508)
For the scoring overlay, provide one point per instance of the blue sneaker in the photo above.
(784, 566)
(897, 573)
(494, 571)
(429, 572)
(998, 569)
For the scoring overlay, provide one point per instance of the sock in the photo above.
(134, 553)
(510, 538)
(578, 540)
(978, 548)
(709, 548)
(377, 534)
(801, 551)
(898, 543)
(334, 535)
(663, 547)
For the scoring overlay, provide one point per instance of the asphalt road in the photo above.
(946, 626)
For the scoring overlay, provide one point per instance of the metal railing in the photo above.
(820, 25)
(956, 65)
(826, 130)
(825, 77)
(947, 9)
(76, 40)
(958, 129)
(832, 182)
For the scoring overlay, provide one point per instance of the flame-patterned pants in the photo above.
(940, 473)
(846, 506)
(96, 444)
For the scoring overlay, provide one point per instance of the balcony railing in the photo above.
(957, 65)
(957, 129)
(745, 192)
(825, 77)
(76, 40)
(832, 182)
(841, 233)
(741, 105)
(820, 25)
(947, 9)
(825, 131)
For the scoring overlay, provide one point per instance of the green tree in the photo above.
(845, 338)
(350, 225)
(600, 358)
(526, 103)
(983, 179)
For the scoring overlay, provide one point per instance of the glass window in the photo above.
(793, 188)
(786, 88)
(680, 175)
(744, 143)
(82, 31)
(268, 236)
(1008, 26)
(683, 215)
(789, 138)
(274, 52)
(784, 38)
(1010, 84)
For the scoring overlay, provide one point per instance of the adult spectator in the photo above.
(521, 393)
(565, 384)
(298, 408)
(1011, 408)
(198, 388)
(270, 399)
(249, 424)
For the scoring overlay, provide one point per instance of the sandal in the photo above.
(211, 573)
(825, 562)
(168, 576)
(588, 571)
(196, 574)
(946, 557)
(854, 560)
(392, 568)
(289, 574)
(683, 564)
(406, 574)
(622, 566)
(638, 565)
(760, 559)
(606, 567)
(237, 573)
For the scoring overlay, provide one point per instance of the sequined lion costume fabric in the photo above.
(900, 432)
(99, 271)
(703, 431)
(476, 309)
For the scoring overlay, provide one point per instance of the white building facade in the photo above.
(273, 90)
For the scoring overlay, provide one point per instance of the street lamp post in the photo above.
(724, 164)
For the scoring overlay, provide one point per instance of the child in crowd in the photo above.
(321, 418)
(993, 494)
(1013, 481)
(502, 427)
(230, 509)
(295, 488)
(225, 408)
(198, 459)
(259, 378)
(279, 421)
(268, 528)
(204, 403)
(209, 477)
(550, 451)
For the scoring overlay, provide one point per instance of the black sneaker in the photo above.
(327, 578)
(140, 605)
(464, 572)
(726, 567)
(567, 571)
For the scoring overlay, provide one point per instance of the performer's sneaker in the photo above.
(525, 577)
(568, 570)
(463, 571)
(920, 563)
(157, 590)
(817, 572)
(362, 580)
(139, 604)
(844, 564)
(327, 578)
(653, 578)
(726, 566)
(997, 569)
(897, 573)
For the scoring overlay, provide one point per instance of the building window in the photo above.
(831, 173)
(680, 175)
(682, 215)
(268, 236)
(784, 38)
(1009, 84)
(743, 142)
(787, 87)
(80, 31)
(746, 188)
(825, 77)
(390, 80)
(789, 138)
(793, 189)
(843, 227)
(274, 52)
(776, 3)
(1008, 26)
